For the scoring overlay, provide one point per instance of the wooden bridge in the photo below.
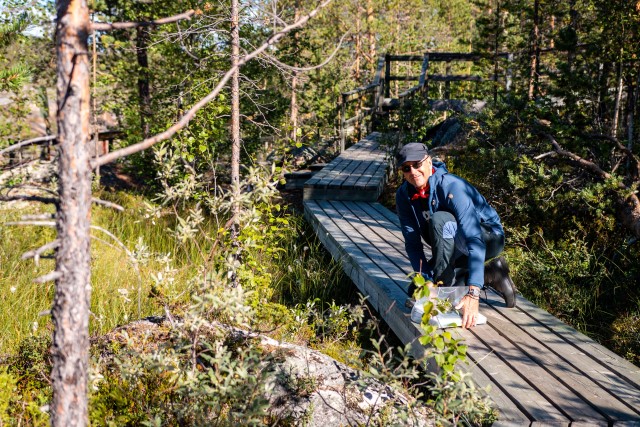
(541, 372)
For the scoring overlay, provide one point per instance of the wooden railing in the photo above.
(376, 96)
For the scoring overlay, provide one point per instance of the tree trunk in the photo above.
(630, 118)
(235, 99)
(371, 36)
(70, 311)
(144, 94)
(294, 82)
(235, 133)
(358, 44)
(535, 41)
(573, 23)
(602, 93)
(616, 111)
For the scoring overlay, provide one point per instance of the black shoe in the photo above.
(496, 276)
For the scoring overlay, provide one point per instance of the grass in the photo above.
(120, 291)
(124, 290)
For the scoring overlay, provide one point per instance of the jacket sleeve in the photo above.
(460, 201)
(411, 232)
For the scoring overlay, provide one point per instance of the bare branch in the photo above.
(29, 198)
(107, 204)
(186, 118)
(104, 26)
(632, 157)
(543, 155)
(54, 275)
(36, 223)
(115, 239)
(21, 144)
(586, 164)
(37, 217)
(36, 253)
(274, 60)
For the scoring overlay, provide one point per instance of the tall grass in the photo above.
(123, 289)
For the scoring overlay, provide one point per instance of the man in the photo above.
(462, 229)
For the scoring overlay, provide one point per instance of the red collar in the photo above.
(421, 194)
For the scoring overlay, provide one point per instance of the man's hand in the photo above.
(469, 306)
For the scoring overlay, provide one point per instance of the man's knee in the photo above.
(444, 225)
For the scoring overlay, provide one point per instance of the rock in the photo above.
(312, 389)
(448, 132)
(306, 386)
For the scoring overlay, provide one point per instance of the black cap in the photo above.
(412, 152)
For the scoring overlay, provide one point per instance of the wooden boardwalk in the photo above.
(541, 371)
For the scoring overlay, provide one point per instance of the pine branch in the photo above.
(186, 118)
(104, 26)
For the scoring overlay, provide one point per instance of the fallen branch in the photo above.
(104, 26)
(107, 204)
(632, 157)
(629, 202)
(28, 198)
(33, 141)
(186, 118)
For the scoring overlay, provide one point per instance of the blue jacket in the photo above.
(447, 192)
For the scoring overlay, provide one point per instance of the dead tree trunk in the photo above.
(294, 81)
(235, 97)
(70, 311)
(144, 94)
(616, 111)
(371, 35)
(535, 46)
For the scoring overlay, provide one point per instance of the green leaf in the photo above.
(439, 343)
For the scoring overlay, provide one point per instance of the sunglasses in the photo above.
(416, 165)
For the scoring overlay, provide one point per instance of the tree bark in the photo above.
(371, 36)
(144, 94)
(616, 111)
(235, 134)
(235, 98)
(535, 45)
(294, 81)
(70, 311)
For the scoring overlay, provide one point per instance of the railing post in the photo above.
(343, 130)
(387, 75)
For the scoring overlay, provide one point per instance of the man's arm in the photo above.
(411, 233)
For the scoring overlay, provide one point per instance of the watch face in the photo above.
(474, 292)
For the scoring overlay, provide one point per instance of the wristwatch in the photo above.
(474, 293)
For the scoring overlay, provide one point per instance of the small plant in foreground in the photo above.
(452, 391)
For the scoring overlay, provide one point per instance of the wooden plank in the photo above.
(338, 181)
(392, 230)
(502, 339)
(529, 401)
(386, 239)
(394, 263)
(617, 364)
(385, 294)
(591, 377)
(391, 216)
(556, 357)
(362, 236)
(509, 413)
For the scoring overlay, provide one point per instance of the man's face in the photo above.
(417, 173)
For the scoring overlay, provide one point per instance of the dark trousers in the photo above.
(447, 261)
